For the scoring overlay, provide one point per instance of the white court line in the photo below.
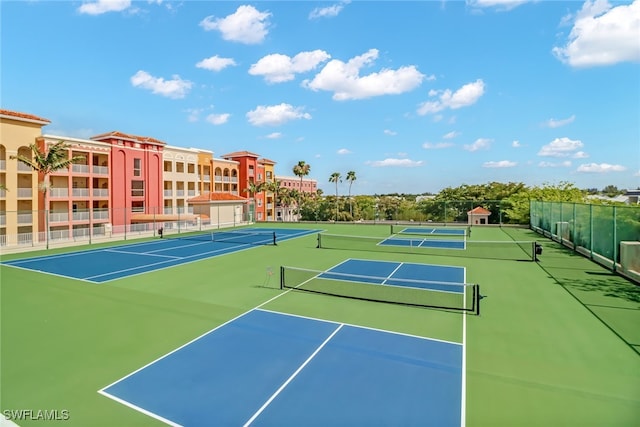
(142, 253)
(139, 409)
(392, 273)
(291, 378)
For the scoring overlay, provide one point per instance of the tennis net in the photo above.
(421, 293)
(423, 230)
(235, 237)
(503, 250)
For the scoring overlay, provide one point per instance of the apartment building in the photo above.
(20, 199)
(119, 179)
(308, 185)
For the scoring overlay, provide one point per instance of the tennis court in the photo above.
(271, 369)
(103, 265)
(346, 333)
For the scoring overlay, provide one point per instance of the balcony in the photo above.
(3, 165)
(3, 193)
(100, 192)
(25, 218)
(3, 219)
(101, 214)
(80, 192)
(79, 168)
(234, 179)
(179, 193)
(167, 211)
(218, 178)
(25, 193)
(58, 192)
(100, 170)
(24, 168)
(80, 215)
(191, 193)
(206, 178)
(59, 217)
(168, 193)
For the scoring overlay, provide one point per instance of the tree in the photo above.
(301, 170)
(3, 187)
(351, 176)
(336, 177)
(253, 188)
(46, 162)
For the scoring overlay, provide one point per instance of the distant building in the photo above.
(478, 216)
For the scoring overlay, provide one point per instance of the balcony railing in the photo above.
(80, 215)
(58, 192)
(100, 170)
(168, 193)
(167, 211)
(80, 192)
(101, 214)
(3, 165)
(59, 217)
(180, 193)
(206, 178)
(25, 218)
(25, 192)
(80, 168)
(100, 192)
(191, 193)
(3, 219)
(218, 178)
(3, 193)
(234, 179)
(24, 168)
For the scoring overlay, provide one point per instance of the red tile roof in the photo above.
(23, 116)
(216, 197)
(479, 211)
(267, 161)
(241, 154)
(121, 135)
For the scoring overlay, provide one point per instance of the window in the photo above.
(137, 188)
(137, 207)
(137, 167)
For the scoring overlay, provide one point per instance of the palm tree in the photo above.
(336, 177)
(302, 169)
(46, 162)
(351, 176)
(253, 188)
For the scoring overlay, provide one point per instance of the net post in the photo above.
(274, 239)
(391, 229)
(282, 277)
(476, 290)
(319, 243)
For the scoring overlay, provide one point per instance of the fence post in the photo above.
(615, 238)
(590, 231)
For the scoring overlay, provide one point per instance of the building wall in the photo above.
(293, 183)
(18, 203)
(180, 178)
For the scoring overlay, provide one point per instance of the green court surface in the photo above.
(557, 342)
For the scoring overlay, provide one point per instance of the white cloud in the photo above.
(637, 173)
(274, 135)
(343, 151)
(277, 68)
(602, 35)
(327, 12)
(451, 135)
(104, 6)
(600, 168)
(437, 145)
(564, 164)
(516, 144)
(344, 80)
(275, 115)
(403, 163)
(499, 164)
(478, 144)
(390, 132)
(247, 25)
(561, 147)
(175, 88)
(580, 155)
(218, 119)
(496, 4)
(194, 114)
(463, 97)
(554, 123)
(215, 63)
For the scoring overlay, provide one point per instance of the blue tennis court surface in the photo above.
(437, 231)
(271, 369)
(102, 265)
(427, 276)
(424, 243)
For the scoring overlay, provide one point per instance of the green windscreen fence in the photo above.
(595, 230)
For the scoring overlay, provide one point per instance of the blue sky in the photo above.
(412, 96)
